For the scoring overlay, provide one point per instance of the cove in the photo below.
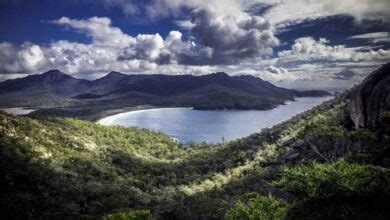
(189, 125)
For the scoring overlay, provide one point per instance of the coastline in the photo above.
(111, 112)
(98, 113)
(18, 110)
(164, 120)
(113, 117)
(107, 117)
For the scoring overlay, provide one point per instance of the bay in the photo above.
(189, 125)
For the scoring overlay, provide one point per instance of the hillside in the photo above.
(56, 92)
(315, 166)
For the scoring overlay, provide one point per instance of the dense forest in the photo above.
(320, 164)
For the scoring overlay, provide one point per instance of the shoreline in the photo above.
(18, 110)
(99, 114)
(123, 111)
(298, 107)
(111, 112)
(99, 121)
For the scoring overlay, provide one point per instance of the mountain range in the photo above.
(54, 89)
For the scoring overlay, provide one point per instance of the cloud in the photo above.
(225, 36)
(24, 58)
(100, 30)
(276, 74)
(110, 49)
(232, 37)
(184, 24)
(226, 33)
(376, 37)
(309, 49)
(128, 6)
(311, 59)
(158, 9)
(276, 70)
(149, 47)
(224, 39)
(360, 9)
(345, 74)
(284, 13)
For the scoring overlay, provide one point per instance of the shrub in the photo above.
(256, 206)
(363, 135)
(324, 180)
(130, 215)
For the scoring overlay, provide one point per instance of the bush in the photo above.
(324, 180)
(363, 135)
(130, 215)
(256, 206)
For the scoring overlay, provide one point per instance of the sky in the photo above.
(309, 43)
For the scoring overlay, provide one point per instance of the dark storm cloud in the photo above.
(230, 38)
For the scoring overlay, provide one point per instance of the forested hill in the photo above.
(116, 90)
(331, 162)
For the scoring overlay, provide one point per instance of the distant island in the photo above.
(56, 93)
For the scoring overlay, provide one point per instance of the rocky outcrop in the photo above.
(370, 99)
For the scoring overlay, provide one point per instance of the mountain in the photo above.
(53, 81)
(50, 89)
(321, 164)
(55, 89)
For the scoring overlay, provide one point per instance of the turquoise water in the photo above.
(188, 125)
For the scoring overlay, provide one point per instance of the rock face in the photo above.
(370, 99)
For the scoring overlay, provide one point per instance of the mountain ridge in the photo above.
(55, 89)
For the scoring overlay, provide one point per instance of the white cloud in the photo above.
(31, 56)
(148, 46)
(163, 8)
(24, 58)
(225, 38)
(107, 51)
(184, 24)
(111, 49)
(100, 30)
(309, 49)
(276, 70)
(277, 74)
(288, 12)
(226, 32)
(376, 37)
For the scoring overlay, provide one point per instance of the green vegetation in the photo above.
(130, 215)
(340, 190)
(63, 167)
(255, 206)
(325, 180)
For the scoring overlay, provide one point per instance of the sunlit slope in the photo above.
(73, 166)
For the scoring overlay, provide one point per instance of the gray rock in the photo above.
(370, 99)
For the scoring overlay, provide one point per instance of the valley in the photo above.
(331, 160)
